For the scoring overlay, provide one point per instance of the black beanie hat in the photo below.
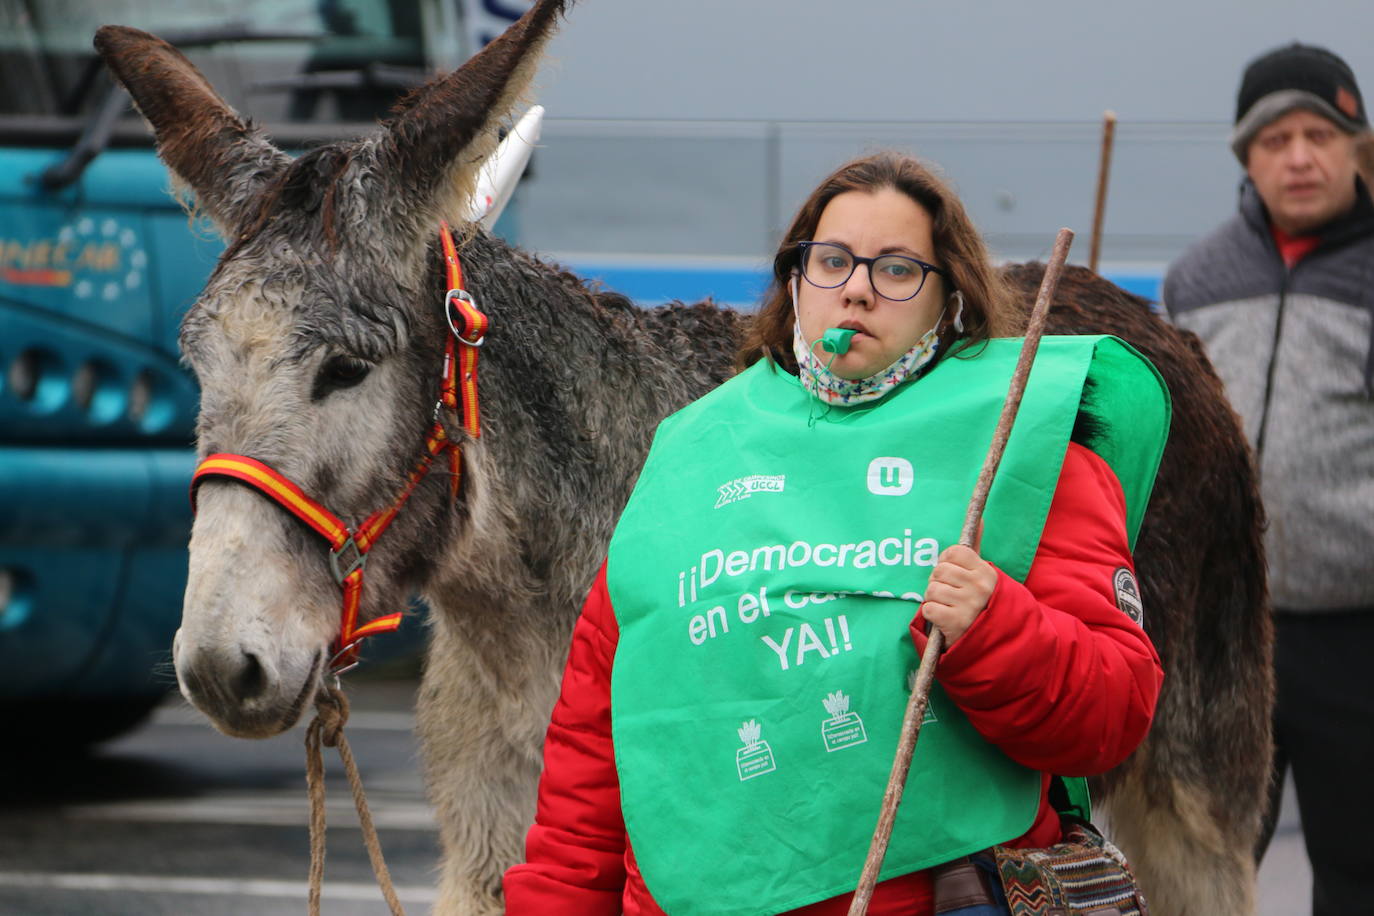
(1296, 76)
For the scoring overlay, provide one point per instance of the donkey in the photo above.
(318, 342)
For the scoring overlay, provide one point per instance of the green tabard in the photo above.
(764, 575)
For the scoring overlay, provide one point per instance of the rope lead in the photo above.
(326, 730)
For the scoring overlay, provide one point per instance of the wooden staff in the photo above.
(1104, 168)
(920, 693)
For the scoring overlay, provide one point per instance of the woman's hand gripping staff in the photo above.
(925, 675)
(959, 589)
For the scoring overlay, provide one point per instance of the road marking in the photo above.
(358, 719)
(261, 810)
(222, 887)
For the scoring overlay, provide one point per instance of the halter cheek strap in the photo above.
(348, 548)
(469, 327)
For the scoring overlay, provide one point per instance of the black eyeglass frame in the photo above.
(804, 252)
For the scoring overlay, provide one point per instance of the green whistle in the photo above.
(836, 340)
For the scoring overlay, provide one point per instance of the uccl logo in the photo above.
(890, 476)
(745, 487)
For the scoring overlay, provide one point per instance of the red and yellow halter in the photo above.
(348, 548)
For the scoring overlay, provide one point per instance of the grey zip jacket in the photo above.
(1295, 350)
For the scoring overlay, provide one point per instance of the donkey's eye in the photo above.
(340, 372)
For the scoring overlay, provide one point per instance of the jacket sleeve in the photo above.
(1053, 671)
(575, 852)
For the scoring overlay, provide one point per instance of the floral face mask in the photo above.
(829, 388)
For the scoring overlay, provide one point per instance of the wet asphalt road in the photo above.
(175, 818)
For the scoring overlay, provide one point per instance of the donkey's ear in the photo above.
(209, 148)
(441, 135)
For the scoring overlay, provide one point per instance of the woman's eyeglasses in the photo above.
(893, 276)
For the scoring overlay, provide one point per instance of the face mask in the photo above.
(829, 388)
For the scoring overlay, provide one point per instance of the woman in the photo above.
(737, 679)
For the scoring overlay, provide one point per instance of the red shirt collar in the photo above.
(1293, 248)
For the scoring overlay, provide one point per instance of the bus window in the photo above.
(286, 61)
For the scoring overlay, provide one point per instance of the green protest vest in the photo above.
(763, 576)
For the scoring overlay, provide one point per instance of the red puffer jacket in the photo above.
(1052, 672)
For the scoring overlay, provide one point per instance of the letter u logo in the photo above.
(890, 476)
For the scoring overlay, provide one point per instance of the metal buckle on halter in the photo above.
(337, 672)
(357, 561)
(465, 296)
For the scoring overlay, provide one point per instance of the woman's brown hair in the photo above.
(959, 249)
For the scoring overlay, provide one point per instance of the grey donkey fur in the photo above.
(317, 343)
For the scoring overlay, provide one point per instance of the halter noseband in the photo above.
(348, 548)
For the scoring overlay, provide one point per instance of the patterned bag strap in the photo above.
(1083, 874)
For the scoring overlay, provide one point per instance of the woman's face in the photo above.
(870, 224)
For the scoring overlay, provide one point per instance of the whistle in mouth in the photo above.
(836, 340)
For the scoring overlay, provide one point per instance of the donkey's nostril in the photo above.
(251, 680)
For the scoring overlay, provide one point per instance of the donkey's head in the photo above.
(317, 343)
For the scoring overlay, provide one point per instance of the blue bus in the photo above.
(98, 263)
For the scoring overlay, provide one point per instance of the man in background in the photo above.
(1282, 295)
